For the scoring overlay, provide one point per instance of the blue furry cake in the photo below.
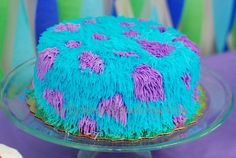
(116, 78)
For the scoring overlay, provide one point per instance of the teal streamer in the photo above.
(154, 15)
(89, 8)
(23, 44)
(222, 11)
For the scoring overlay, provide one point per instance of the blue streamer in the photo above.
(114, 12)
(176, 9)
(222, 11)
(233, 15)
(46, 15)
(231, 24)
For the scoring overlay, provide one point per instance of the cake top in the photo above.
(121, 39)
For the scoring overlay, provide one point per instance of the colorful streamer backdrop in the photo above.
(3, 26)
(211, 24)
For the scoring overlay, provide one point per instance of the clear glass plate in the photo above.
(219, 106)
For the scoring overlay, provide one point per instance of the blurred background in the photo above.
(209, 23)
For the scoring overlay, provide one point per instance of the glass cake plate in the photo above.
(13, 88)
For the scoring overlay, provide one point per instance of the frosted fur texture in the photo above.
(67, 27)
(126, 54)
(180, 119)
(55, 98)
(188, 43)
(92, 61)
(98, 36)
(87, 126)
(114, 85)
(156, 48)
(186, 79)
(45, 61)
(131, 33)
(115, 108)
(148, 84)
(73, 44)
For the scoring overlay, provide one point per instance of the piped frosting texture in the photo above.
(116, 78)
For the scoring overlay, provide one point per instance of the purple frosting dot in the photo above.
(92, 61)
(126, 54)
(186, 78)
(141, 20)
(45, 61)
(188, 43)
(67, 27)
(127, 24)
(87, 126)
(156, 48)
(131, 33)
(98, 36)
(195, 94)
(115, 108)
(148, 83)
(160, 28)
(55, 98)
(72, 44)
(90, 21)
(181, 119)
(60, 27)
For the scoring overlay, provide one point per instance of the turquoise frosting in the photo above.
(83, 89)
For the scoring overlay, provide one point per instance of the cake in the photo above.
(116, 78)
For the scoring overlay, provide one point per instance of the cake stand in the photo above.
(219, 106)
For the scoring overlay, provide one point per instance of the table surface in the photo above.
(220, 143)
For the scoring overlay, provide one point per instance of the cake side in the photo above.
(118, 78)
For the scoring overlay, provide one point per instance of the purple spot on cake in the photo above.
(156, 48)
(87, 126)
(60, 27)
(90, 21)
(72, 27)
(162, 29)
(131, 33)
(67, 27)
(73, 44)
(181, 119)
(188, 44)
(114, 107)
(126, 54)
(127, 24)
(55, 98)
(186, 78)
(45, 61)
(141, 20)
(98, 36)
(92, 61)
(148, 83)
(195, 94)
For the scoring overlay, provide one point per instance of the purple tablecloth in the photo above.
(221, 143)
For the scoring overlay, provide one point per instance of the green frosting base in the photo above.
(40, 114)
